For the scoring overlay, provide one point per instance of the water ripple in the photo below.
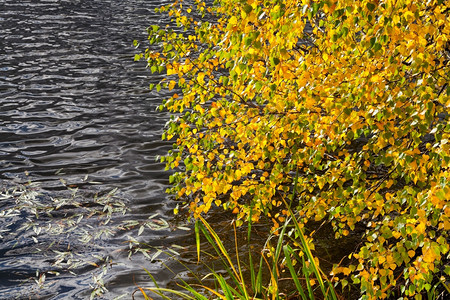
(73, 103)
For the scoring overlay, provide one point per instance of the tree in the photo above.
(337, 108)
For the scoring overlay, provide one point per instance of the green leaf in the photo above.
(258, 86)
(377, 47)
(315, 8)
(247, 8)
(370, 6)
(344, 31)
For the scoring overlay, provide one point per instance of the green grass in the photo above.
(231, 283)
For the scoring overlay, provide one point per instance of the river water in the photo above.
(75, 108)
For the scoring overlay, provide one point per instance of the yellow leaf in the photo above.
(201, 78)
(232, 21)
(421, 227)
(172, 84)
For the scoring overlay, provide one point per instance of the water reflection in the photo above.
(73, 103)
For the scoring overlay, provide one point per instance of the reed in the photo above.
(306, 279)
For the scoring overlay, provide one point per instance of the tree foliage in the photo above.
(344, 102)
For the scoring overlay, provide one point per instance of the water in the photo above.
(75, 106)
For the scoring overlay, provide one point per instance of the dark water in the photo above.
(75, 106)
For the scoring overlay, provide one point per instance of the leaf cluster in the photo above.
(345, 102)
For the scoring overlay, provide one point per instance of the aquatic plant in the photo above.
(60, 227)
(263, 279)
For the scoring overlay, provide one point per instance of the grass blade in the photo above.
(219, 245)
(242, 282)
(197, 240)
(287, 254)
(159, 291)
